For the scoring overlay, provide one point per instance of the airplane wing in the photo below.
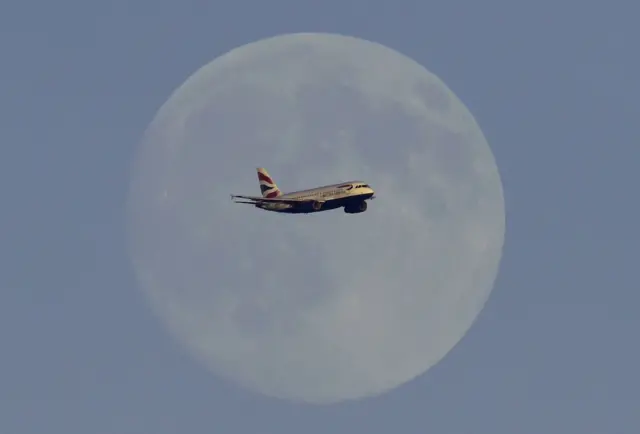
(273, 200)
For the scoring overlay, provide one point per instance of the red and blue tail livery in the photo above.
(268, 188)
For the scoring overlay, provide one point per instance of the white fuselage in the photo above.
(350, 195)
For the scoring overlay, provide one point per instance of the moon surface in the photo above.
(329, 306)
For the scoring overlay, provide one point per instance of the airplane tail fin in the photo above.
(268, 188)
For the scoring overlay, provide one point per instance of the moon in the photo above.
(324, 307)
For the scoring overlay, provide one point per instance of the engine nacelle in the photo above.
(356, 208)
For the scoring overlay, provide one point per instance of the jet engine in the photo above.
(356, 208)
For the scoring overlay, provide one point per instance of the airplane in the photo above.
(351, 196)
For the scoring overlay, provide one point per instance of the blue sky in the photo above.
(553, 87)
